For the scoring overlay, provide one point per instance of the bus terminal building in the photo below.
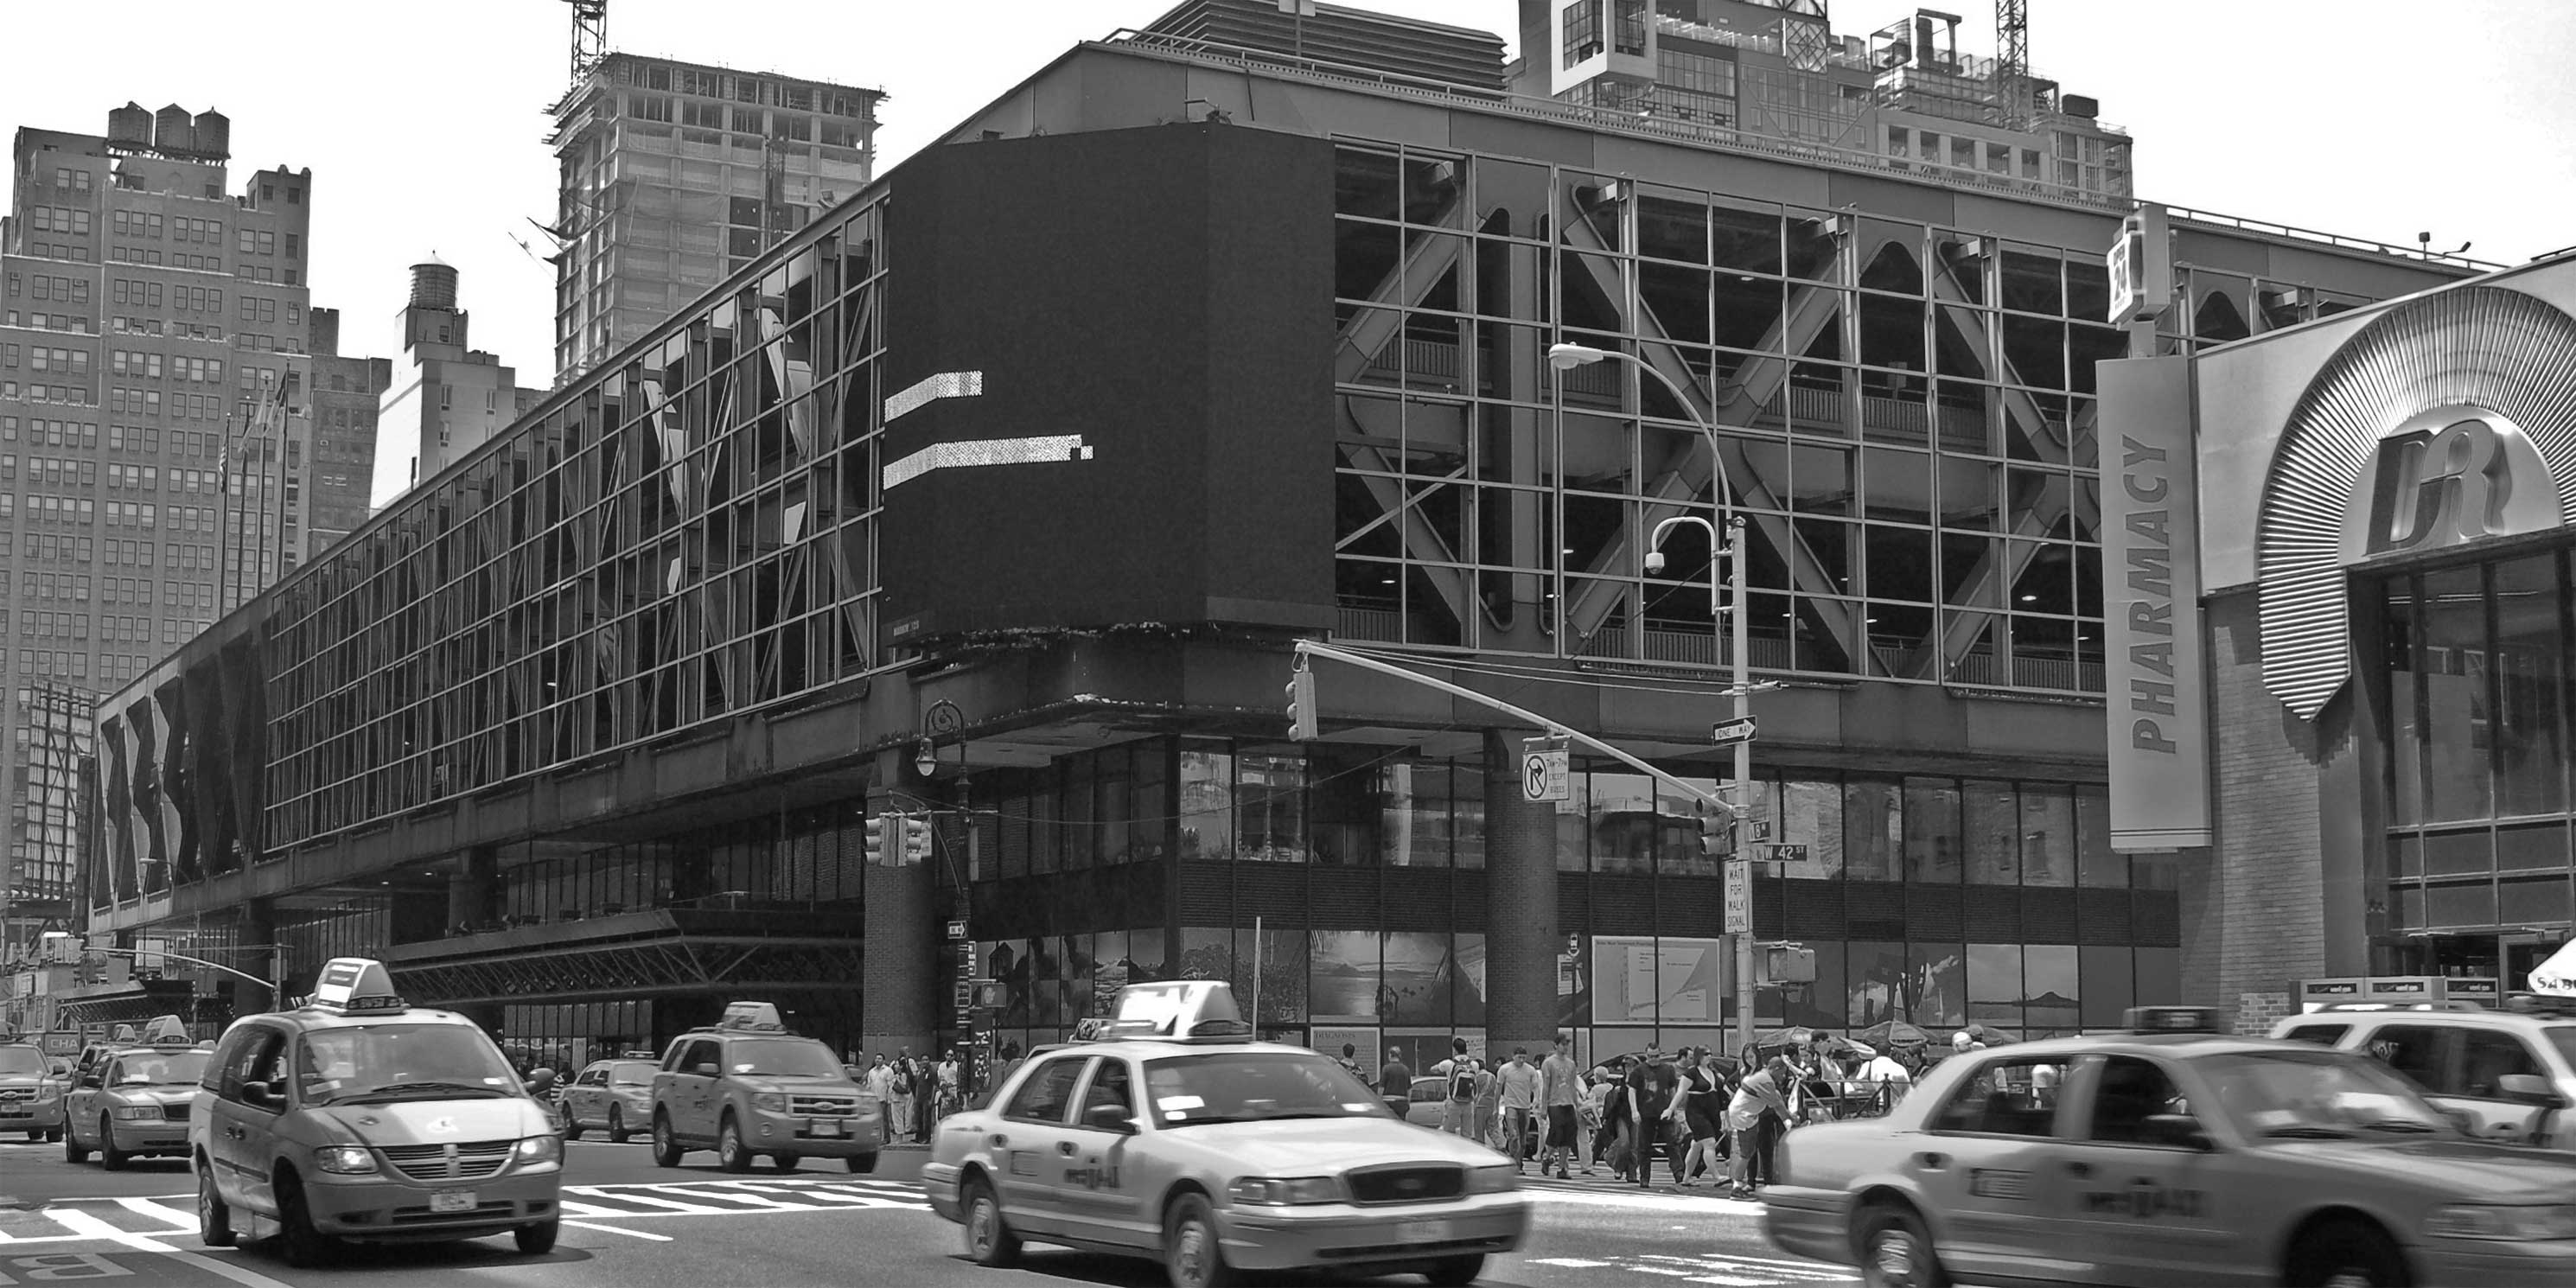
(999, 493)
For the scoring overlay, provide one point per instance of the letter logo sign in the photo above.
(2453, 474)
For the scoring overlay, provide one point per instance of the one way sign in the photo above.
(1731, 732)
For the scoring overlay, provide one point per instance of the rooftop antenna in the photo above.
(589, 36)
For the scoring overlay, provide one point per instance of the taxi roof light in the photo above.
(754, 1017)
(166, 1030)
(2173, 1019)
(1180, 1010)
(2557, 1006)
(355, 986)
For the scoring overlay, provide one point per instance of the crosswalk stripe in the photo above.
(1731, 1281)
(170, 1216)
(649, 1200)
(1569, 1263)
(86, 1226)
(755, 1200)
(570, 1207)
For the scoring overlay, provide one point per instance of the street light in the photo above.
(1728, 545)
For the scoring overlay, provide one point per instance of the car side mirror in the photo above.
(91, 1081)
(2461, 1120)
(2530, 1089)
(705, 1069)
(259, 1093)
(2178, 1131)
(1115, 1118)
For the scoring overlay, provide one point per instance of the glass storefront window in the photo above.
(1938, 978)
(1207, 803)
(1932, 830)
(2531, 742)
(2048, 855)
(1992, 828)
(1413, 814)
(1270, 807)
(1994, 985)
(2096, 863)
(1624, 821)
(2460, 729)
(2053, 1002)
(1811, 814)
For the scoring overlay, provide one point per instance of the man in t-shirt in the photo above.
(1520, 1089)
(1395, 1082)
(1460, 1112)
(1560, 1089)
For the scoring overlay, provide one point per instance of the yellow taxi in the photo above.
(1177, 1138)
(2171, 1155)
(747, 1087)
(358, 1117)
(134, 1101)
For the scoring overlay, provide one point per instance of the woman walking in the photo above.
(1704, 1094)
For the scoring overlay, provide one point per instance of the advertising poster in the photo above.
(1645, 980)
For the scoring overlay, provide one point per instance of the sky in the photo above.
(424, 125)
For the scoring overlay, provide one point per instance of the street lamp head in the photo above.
(926, 759)
(1654, 561)
(1566, 357)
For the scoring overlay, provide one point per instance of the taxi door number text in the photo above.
(2145, 1202)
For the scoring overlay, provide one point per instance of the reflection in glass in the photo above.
(1344, 975)
(2459, 720)
(1937, 976)
(1207, 803)
(1932, 830)
(2047, 835)
(2096, 863)
(1270, 808)
(1419, 978)
(2401, 664)
(1873, 833)
(1994, 985)
(2053, 1005)
(1811, 814)
(1875, 979)
(1413, 814)
(1993, 833)
(2531, 743)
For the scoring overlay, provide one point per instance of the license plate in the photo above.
(822, 1128)
(15, 1112)
(1422, 1231)
(452, 1201)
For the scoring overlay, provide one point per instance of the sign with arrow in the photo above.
(1545, 769)
(1730, 732)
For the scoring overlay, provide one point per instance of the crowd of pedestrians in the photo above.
(917, 1090)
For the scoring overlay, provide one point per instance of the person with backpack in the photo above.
(1460, 1116)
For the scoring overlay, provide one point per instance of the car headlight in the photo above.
(2503, 1221)
(1277, 1191)
(1493, 1180)
(347, 1160)
(47, 1091)
(769, 1102)
(136, 1113)
(541, 1149)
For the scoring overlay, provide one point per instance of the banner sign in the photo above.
(2153, 682)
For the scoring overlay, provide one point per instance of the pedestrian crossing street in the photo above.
(1722, 1270)
(166, 1215)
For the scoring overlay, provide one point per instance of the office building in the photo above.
(344, 406)
(452, 397)
(153, 333)
(998, 494)
(674, 175)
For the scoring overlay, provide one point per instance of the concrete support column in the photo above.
(256, 929)
(473, 893)
(1521, 936)
(900, 950)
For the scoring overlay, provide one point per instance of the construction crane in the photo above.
(2012, 62)
(589, 36)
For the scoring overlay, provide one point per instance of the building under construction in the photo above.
(674, 175)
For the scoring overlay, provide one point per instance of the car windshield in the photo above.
(783, 1058)
(21, 1062)
(636, 1073)
(2300, 1094)
(2563, 1037)
(153, 1070)
(1254, 1086)
(375, 1063)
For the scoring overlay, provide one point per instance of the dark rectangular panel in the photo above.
(1417, 899)
(1573, 904)
(1623, 905)
(1207, 894)
(1467, 901)
(1990, 914)
(1815, 909)
(1344, 898)
(2048, 915)
(1931, 912)
(2101, 916)
(1163, 296)
(2155, 921)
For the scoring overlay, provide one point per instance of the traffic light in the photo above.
(1301, 702)
(916, 839)
(1716, 829)
(877, 840)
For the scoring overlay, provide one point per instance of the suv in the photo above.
(747, 1086)
(2510, 1073)
(31, 1098)
(361, 1118)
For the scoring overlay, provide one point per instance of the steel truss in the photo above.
(651, 968)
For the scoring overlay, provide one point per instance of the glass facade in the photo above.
(1935, 899)
(2471, 690)
(1905, 413)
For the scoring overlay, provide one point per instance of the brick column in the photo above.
(900, 950)
(1520, 906)
(258, 925)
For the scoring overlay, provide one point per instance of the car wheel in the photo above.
(109, 1156)
(617, 1133)
(666, 1147)
(1455, 1272)
(1192, 1254)
(989, 1241)
(53, 1134)
(862, 1163)
(214, 1219)
(2346, 1254)
(539, 1239)
(303, 1246)
(571, 1125)
(36, 1137)
(785, 1162)
(1896, 1249)
(73, 1150)
(731, 1154)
